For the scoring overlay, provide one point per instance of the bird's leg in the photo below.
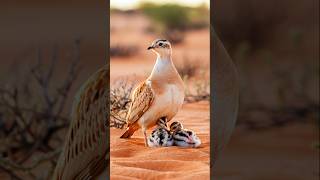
(145, 137)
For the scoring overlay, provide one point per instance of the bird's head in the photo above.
(161, 47)
(162, 123)
(175, 126)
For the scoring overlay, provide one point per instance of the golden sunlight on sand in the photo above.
(130, 159)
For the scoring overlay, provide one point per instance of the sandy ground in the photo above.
(130, 159)
(285, 153)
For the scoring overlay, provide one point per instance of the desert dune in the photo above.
(130, 159)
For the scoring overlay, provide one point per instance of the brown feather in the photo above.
(85, 151)
(142, 99)
(130, 130)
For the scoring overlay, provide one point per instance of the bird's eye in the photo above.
(160, 44)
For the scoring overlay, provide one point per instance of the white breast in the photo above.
(171, 100)
(174, 94)
(166, 104)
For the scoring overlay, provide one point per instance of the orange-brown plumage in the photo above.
(85, 153)
(130, 130)
(142, 98)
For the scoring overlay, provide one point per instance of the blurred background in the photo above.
(48, 49)
(134, 25)
(275, 46)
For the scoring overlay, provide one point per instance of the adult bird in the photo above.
(85, 153)
(161, 95)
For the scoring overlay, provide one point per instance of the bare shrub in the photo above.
(122, 51)
(196, 89)
(259, 117)
(193, 73)
(290, 87)
(31, 114)
(188, 68)
(120, 101)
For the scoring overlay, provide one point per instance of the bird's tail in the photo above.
(129, 131)
(127, 134)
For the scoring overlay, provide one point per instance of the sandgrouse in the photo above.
(161, 95)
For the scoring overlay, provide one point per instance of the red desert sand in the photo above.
(130, 159)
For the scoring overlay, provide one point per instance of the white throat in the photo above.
(162, 66)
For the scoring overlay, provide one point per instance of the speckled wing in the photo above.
(85, 153)
(142, 99)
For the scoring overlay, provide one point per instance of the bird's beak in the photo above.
(150, 47)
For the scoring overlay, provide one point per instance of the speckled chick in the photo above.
(183, 137)
(161, 136)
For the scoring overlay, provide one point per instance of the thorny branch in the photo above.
(31, 114)
(119, 102)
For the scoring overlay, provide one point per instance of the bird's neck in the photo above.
(163, 66)
(164, 56)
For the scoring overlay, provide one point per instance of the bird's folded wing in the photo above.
(85, 151)
(142, 99)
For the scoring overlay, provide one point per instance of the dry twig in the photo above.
(31, 114)
(119, 102)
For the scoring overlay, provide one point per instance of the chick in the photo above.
(161, 136)
(183, 137)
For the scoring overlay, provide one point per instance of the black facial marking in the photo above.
(178, 139)
(162, 40)
(173, 124)
(181, 140)
(189, 132)
(162, 122)
(182, 134)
